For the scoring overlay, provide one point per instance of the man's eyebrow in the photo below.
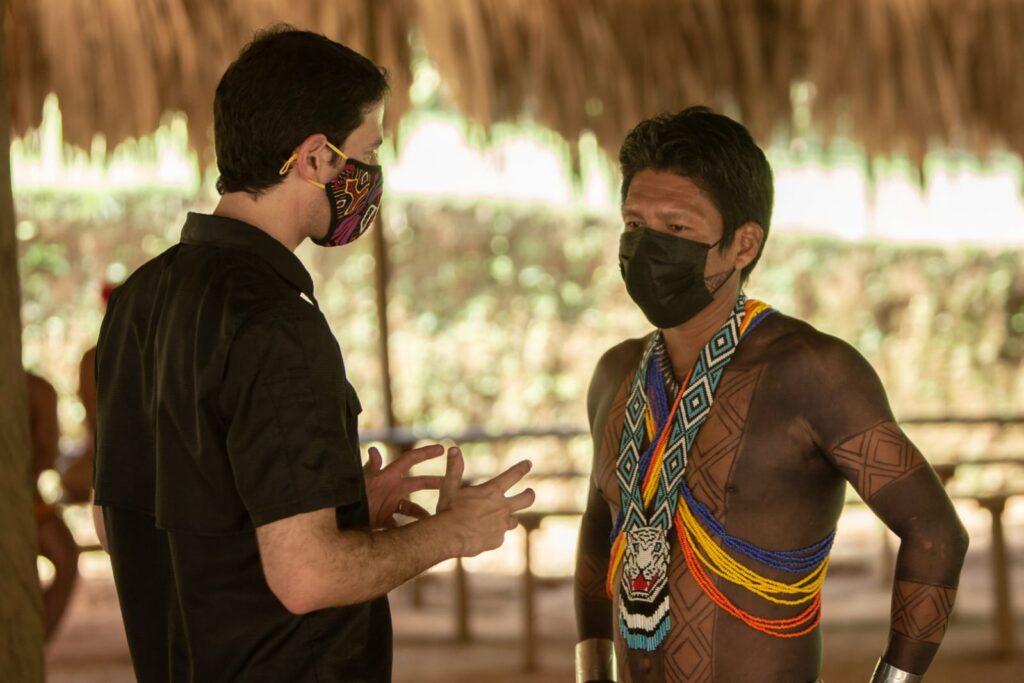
(676, 215)
(665, 215)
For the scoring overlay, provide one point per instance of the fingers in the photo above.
(521, 501)
(452, 481)
(513, 522)
(374, 463)
(417, 455)
(511, 476)
(413, 484)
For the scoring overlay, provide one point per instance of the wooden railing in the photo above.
(994, 502)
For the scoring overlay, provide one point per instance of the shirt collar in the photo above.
(201, 228)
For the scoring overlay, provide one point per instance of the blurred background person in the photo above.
(77, 467)
(56, 543)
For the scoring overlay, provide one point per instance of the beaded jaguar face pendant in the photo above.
(643, 600)
(645, 566)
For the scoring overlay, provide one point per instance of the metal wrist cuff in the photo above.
(595, 660)
(887, 673)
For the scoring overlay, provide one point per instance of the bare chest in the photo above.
(751, 447)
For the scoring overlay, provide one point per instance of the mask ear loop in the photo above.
(732, 271)
(287, 165)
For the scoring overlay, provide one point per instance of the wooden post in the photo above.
(529, 524)
(462, 633)
(382, 276)
(21, 610)
(382, 273)
(381, 280)
(1000, 578)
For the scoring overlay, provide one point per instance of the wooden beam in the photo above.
(21, 610)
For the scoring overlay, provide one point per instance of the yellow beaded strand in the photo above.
(712, 556)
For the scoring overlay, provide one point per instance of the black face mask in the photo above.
(665, 275)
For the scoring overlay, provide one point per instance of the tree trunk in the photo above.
(21, 614)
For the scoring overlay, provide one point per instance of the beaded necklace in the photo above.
(645, 622)
(640, 541)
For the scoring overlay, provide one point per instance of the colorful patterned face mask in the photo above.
(354, 196)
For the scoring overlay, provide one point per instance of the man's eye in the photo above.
(633, 225)
(674, 227)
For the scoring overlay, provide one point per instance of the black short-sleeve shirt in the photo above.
(223, 405)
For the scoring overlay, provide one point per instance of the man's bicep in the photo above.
(609, 373)
(593, 608)
(599, 389)
(594, 545)
(849, 413)
(879, 456)
(891, 475)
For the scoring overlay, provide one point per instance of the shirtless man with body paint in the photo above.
(796, 414)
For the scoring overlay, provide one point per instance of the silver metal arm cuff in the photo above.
(595, 660)
(887, 673)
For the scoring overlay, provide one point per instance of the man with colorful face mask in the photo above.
(248, 540)
(723, 443)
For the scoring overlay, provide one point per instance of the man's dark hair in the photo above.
(285, 86)
(714, 152)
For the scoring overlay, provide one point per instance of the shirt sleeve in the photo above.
(287, 406)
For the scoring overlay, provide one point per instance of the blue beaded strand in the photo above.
(792, 561)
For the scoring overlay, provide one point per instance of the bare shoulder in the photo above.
(798, 348)
(616, 362)
(610, 370)
(621, 356)
(824, 379)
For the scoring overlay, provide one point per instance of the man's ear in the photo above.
(747, 240)
(312, 158)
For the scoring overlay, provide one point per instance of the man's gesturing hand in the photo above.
(479, 516)
(388, 488)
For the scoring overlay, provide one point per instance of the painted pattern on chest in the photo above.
(688, 651)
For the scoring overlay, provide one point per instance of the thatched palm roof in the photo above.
(898, 75)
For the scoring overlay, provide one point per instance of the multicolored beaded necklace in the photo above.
(640, 543)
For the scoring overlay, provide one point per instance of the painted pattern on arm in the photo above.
(921, 611)
(590, 576)
(608, 452)
(877, 457)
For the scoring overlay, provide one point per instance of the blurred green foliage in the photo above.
(499, 312)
